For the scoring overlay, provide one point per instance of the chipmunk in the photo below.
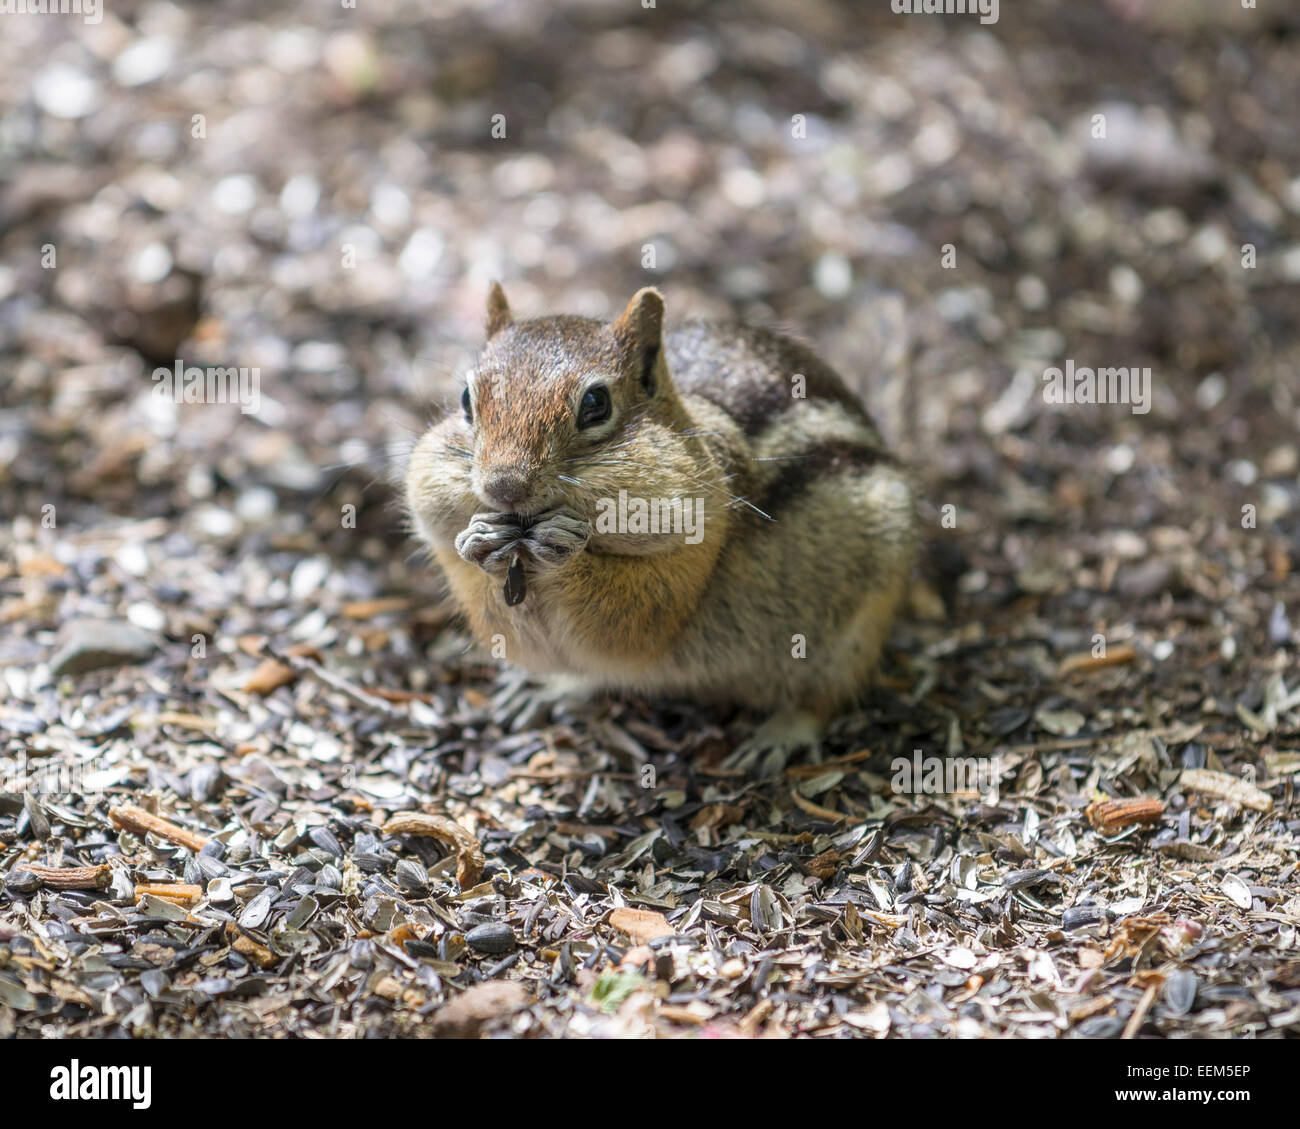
(538, 500)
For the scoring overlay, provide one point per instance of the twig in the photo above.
(808, 771)
(335, 682)
(139, 821)
(69, 877)
(1134, 1024)
(177, 892)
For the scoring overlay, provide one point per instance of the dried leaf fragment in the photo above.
(469, 855)
(269, 676)
(642, 925)
(823, 865)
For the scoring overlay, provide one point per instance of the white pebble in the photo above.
(234, 195)
(132, 559)
(143, 61)
(257, 503)
(146, 616)
(833, 275)
(390, 206)
(300, 195)
(421, 254)
(1120, 459)
(153, 264)
(63, 91)
(1242, 471)
(1032, 293)
(308, 575)
(1211, 391)
(1126, 285)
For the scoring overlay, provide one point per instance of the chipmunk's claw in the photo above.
(773, 743)
(489, 541)
(556, 535)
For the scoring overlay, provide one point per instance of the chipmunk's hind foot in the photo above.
(769, 748)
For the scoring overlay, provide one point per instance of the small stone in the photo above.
(257, 503)
(93, 644)
(153, 264)
(234, 195)
(466, 1015)
(833, 275)
(146, 616)
(1142, 581)
(300, 195)
(496, 937)
(307, 576)
(1279, 626)
(421, 254)
(144, 61)
(63, 91)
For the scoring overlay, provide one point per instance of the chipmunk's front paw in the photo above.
(489, 541)
(555, 536)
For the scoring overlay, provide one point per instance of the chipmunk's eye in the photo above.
(594, 408)
(466, 406)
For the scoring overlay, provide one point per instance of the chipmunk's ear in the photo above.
(498, 310)
(641, 326)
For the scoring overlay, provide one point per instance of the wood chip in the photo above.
(178, 892)
(642, 925)
(249, 947)
(69, 877)
(1110, 816)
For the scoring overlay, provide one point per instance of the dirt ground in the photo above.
(225, 670)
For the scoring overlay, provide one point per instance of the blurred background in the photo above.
(319, 192)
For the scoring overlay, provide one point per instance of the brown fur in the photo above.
(809, 528)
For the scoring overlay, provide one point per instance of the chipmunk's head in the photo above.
(564, 409)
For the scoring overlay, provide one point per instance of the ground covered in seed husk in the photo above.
(256, 781)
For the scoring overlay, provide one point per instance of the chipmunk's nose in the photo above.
(506, 488)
